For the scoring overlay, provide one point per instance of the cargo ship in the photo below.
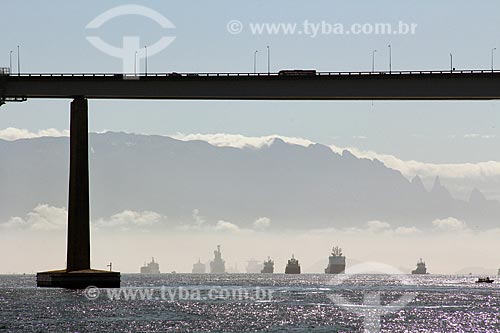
(218, 265)
(253, 266)
(233, 269)
(336, 262)
(421, 269)
(293, 266)
(199, 268)
(151, 268)
(268, 266)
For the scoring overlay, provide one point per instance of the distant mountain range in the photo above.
(295, 186)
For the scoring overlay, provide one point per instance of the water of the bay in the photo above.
(300, 303)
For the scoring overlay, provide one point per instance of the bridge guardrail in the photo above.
(6, 72)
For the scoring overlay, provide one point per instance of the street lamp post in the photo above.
(451, 62)
(373, 60)
(10, 62)
(255, 61)
(493, 59)
(268, 60)
(18, 62)
(390, 58)
(146, 60)
(135, 63)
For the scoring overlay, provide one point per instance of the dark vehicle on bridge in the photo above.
(297, 72)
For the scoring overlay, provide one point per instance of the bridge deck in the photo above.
(408, 85)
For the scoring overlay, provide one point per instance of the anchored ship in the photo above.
(151, 268)
(421, 269)
(268, 266)
(336, 262)
(218, 265)
(199, 268)
(233, 269)
(253, 266)
(293, 266)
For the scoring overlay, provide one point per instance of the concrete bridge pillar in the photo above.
(78, 247)
(78, 274)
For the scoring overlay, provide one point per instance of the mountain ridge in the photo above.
(293, 185)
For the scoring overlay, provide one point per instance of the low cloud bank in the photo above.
(41, 218)
(44, 217)
(12, 134)
(408, 168)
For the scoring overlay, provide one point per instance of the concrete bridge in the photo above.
(410, 85)
(287, 85)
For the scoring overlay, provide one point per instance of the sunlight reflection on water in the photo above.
(299, 304)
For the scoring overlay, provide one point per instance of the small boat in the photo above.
(485, 280)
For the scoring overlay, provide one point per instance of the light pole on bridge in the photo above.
(451, 63)
(135, 63)
(373, 60)
(146, 60)
(390, 58)
(493, 59)
(255, 61)
(268, 60)
(10, 62)
(18, 62)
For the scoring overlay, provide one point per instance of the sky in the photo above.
(52, 39)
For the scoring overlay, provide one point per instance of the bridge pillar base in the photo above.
(78, 279)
